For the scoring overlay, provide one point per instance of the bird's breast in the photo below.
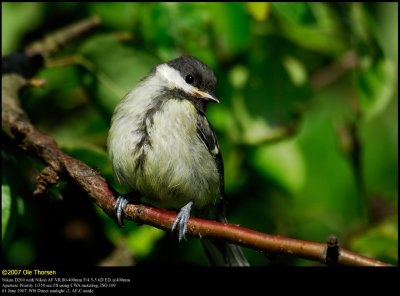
(168, 162)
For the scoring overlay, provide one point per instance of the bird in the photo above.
(162, 147)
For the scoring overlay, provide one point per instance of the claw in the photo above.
(120, 205)
(181, 220)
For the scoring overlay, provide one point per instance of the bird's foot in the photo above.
(121, 203)
(181, 220)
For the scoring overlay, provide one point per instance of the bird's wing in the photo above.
(219, 253)
(207, 135)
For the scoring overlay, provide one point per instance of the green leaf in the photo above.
(238, 76)
(379, 242)
(253, 129)
(329, 201)
(85, 129)
(376, 86)
(310, 25)
(117, 15)
(188, 29)
(297, 13)
(115, 69)
(142, 241)
(388, 28)
(259, 10)
(232, 27)
(270, 93)
(62, 83)
(380, 138)
(5, 208)
(235, 177)
(157, 25)
(282, 163)
(16, 20)
(296, 70)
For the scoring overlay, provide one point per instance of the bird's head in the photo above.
(189, 76)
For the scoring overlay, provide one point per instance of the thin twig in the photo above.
(53, 42)
(325, 76)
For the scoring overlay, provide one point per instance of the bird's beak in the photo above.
(205, 96)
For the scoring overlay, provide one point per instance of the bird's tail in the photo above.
(224, 254)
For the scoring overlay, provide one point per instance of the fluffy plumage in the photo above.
(161, 144)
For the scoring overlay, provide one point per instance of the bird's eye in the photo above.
(189, 79)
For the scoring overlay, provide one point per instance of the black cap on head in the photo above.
(195, 73)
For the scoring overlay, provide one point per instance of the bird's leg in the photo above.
(181, 220)
(120, 204)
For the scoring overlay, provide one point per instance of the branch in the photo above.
(18, 128)
(325, 76)
(53, 42)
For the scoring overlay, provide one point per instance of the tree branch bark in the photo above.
(18, 128)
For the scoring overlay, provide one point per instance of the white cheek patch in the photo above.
(173, 79)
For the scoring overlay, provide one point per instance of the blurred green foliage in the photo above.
(308, 124)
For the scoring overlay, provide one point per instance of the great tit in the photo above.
(162, 146)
